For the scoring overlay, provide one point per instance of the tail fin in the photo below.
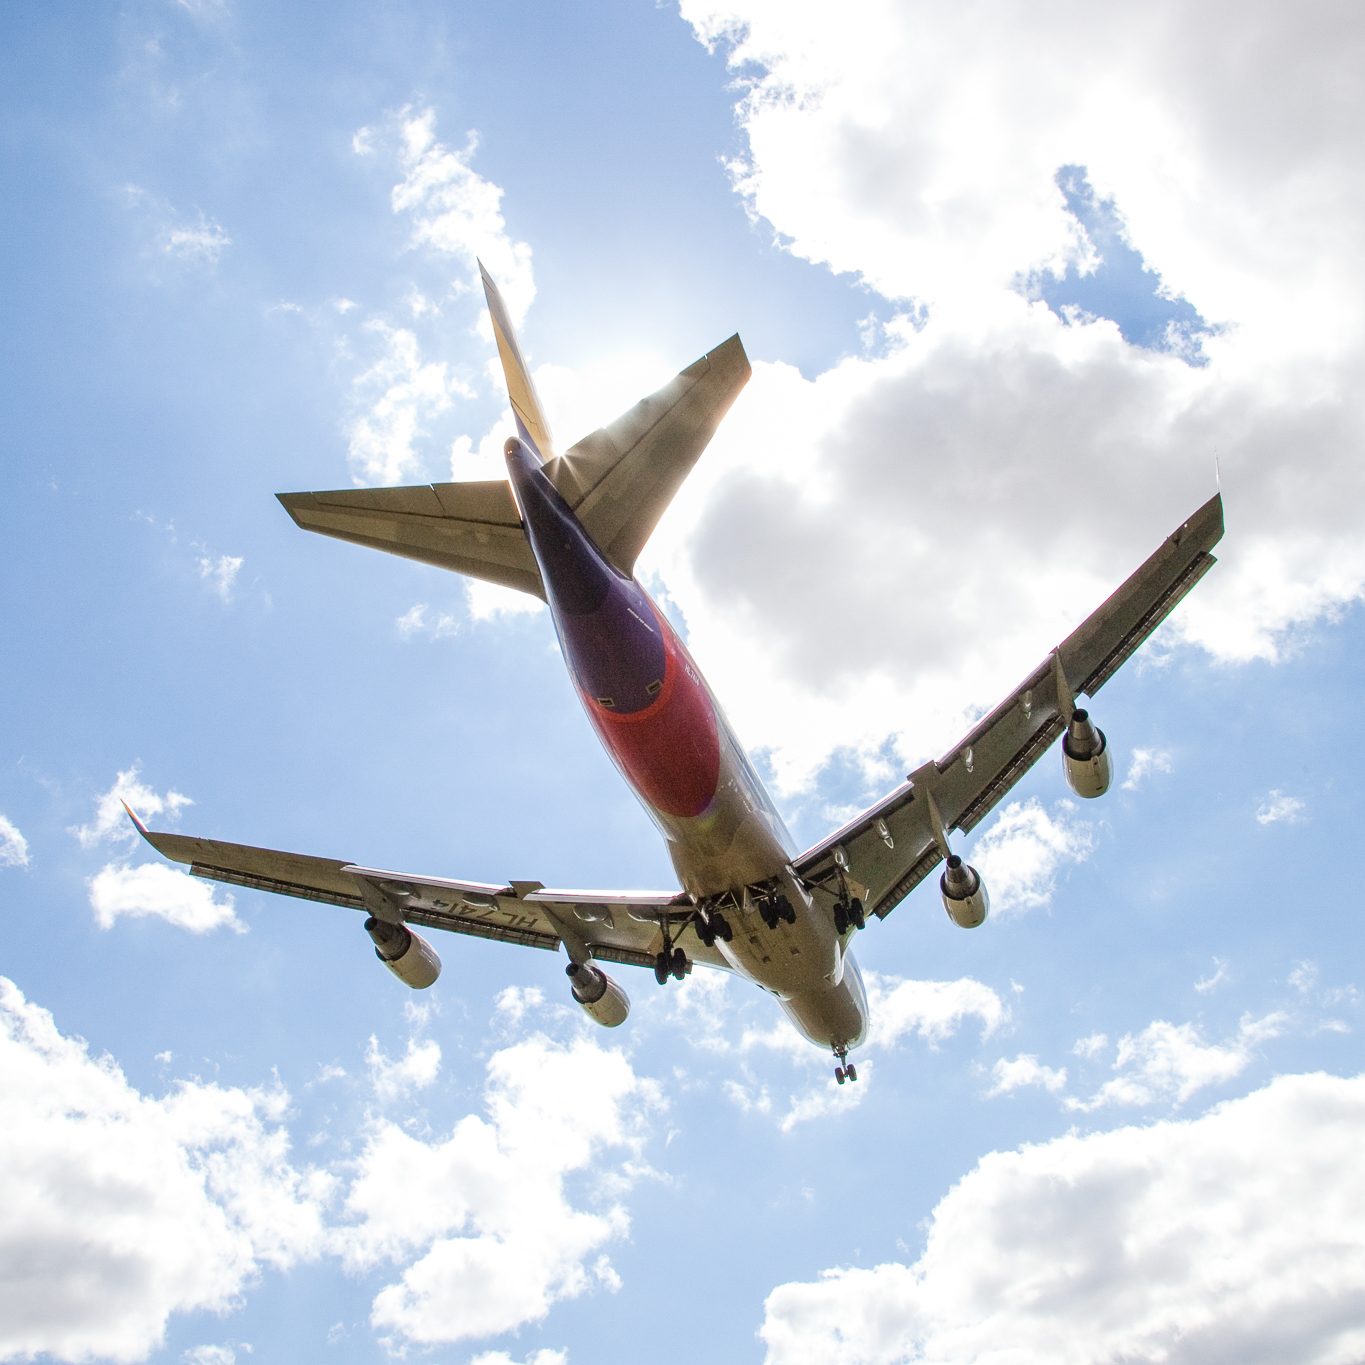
(531, 423)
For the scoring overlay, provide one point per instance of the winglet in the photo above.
(137, 824)
(531, 424)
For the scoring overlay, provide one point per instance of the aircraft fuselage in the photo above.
(661, 725)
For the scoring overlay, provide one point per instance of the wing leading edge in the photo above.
(891, 847)
(617, 926)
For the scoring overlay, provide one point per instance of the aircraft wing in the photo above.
(619, 479)
(474, 528)
(616, 926)
(890, 848)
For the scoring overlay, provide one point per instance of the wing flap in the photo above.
(891, 847)
(619, 926)
(621, 478)
(473, 528)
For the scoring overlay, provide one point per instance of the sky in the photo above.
(1021, 287)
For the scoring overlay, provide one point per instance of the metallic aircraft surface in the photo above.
(568, 528)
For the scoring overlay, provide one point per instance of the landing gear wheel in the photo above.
(661, 968)
(840, 920)
(840, 1074)
(722, 927)
(856, 917)
(678, 964)
(851, 1072)
(706, 932)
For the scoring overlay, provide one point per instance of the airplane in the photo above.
(568, 529)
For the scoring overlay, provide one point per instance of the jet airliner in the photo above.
(568, 528)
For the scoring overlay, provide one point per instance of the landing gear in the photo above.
(848, 914)
(845, 1071)
(710, 926)
(671, 961)
(776, 909)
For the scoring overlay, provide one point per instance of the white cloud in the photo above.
(117, 1209)
(1023, 848)
(1279, 808)
(111, 823)
(1091, 1046)
(932, 1010)
(213, 1355)
(221, 573)
(161, 892)
(194, 241)
(1216, 978)
(493, 602)
(420, 620)
(1168, 1063)
(899, 148)
(13, 845)
(200, 242)
(494, 1240)
(395, 398)
(1144, 763)
(542, 1357)
(824, 1100)
(455, 211)
(1197, 1241)
(1025, 1070)
(513, 1003)
(394, 1078)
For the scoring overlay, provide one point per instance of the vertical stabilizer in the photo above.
(531, 424)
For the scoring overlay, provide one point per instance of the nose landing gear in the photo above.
(845, 1071)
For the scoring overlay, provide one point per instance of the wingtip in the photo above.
(137, 824)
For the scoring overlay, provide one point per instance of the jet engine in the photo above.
(1085, 756)
(602, 999)
(964, 894)
(407, 955)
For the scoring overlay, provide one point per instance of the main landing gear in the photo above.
(845, 1071)
(776, 909)
(848, 914)
(709, 925)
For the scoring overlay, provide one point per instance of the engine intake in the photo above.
(602, 999)
(1085, 756)
(964, 894)
(407, 955)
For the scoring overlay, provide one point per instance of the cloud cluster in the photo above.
(151, 889)
(118, 1209)
(1195, 1241)
(988, 476)
(13, 845)
(492, 1235)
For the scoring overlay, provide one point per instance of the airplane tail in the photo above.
(532, 427)
(617, 480)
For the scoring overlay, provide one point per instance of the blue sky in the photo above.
(237, 259)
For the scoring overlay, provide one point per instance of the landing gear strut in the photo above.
(672, 961)
(845, 1071)
(848, 914)
(776, 909)
(710, 926)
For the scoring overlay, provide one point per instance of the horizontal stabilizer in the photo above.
(472, 528)
(621, 478)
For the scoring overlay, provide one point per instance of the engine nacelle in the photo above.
(964, 894)
(407, 955)
(602, 999)
(1085, 756)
